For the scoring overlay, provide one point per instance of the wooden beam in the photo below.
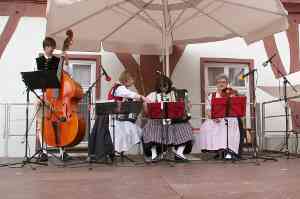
(293, 39)
(150, 64)
(145, 73)
(132, 66)
(98, 75)
(292, 6)
(29, 9)
(271, 49)
(15, 10)
(9, 30)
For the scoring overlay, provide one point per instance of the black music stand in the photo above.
(106, 146)
(39, 80)
(225, 107)
(115, 109)
(36, 80)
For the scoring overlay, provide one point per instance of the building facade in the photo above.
(23, 27)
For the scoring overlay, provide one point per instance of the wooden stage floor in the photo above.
(194, 180)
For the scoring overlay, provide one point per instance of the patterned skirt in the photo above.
(213, 136)
(174, 134)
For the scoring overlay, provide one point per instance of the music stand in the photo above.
(225, 107)
(102, 111)
(114, 109)
(166, 111)
(36, 80)
(39, 80)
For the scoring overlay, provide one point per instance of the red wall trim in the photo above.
(149, 64)
(97, 59)
(28, 8)
(15, 10)
(293, 7)
(9, 30)
(293, 38)
(133, 67)
(271, 49)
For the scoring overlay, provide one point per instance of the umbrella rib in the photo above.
(212, 18)
(192, 16)
(152, 23)
(182, 12)
(153, 20)
(147, 14)
(126, 21)
(178, 17)
(253, 8)
(89, 16)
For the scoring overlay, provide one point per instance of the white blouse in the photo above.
(124, 92)
(156, 97)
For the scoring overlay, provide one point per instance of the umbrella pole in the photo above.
(167, 56)
(166, 64)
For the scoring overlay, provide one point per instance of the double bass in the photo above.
(63, 126)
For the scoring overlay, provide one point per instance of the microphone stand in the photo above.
(88, 93)
(285, 147)
(88, 102)
(165, 124)
(254, 139)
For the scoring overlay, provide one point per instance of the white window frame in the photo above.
(244, 90)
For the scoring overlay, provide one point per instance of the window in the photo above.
(234, 69)
(233, 72)
(84, 72)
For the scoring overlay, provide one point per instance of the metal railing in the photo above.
(13, 124)
(277, 127)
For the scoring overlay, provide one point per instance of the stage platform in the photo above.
(194, 180)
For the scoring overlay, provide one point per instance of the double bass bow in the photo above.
(62, 124)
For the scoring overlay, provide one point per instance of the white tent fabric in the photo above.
(142, 26)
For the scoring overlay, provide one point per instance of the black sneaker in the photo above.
(180, 158)
(43, 157)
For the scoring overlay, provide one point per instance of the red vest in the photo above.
(111, 93)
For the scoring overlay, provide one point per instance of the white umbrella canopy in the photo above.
(146, 26)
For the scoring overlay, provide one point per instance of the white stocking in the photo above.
(153, 152)
(180, 150)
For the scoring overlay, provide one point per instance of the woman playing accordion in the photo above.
(166, 132)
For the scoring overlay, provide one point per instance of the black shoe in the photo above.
(220, 155)
(43, 157)
(180, 158)
(111, 157)
(217, 156)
